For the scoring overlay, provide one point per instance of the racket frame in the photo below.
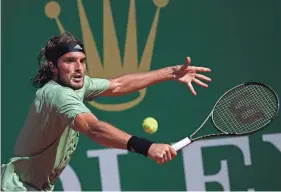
(188, 140)
(258, 129)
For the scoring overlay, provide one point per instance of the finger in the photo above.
(187, 63)
(173, 152)
(165, 157)
(202, 69)
(198, 82)
(160, 160)
(202, 77)
(169, 156)
(191, 89)
(188, 60)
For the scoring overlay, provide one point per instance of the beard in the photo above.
(64, 83)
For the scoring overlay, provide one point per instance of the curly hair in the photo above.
(44, 73)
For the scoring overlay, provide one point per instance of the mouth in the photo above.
(77, 78)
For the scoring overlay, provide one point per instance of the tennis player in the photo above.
(58, 115)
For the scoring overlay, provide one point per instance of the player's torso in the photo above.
(45, 134)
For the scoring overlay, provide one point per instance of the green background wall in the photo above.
(239, 40)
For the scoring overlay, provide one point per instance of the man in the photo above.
(57, 115)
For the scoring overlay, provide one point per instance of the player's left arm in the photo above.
(132, 82)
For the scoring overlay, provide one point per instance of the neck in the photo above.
(57, 79)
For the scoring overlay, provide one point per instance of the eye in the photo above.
(83, 60)
(69, 60)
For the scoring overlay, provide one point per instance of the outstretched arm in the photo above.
(107, 135)
(72, 111)
(132, 82)
(101, 132)
(135, 81)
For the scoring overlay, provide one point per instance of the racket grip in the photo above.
(182, 143)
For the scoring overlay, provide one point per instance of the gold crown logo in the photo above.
(112, 64)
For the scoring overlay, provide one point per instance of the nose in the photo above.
(78, 66)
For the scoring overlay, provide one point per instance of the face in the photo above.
(71, 69)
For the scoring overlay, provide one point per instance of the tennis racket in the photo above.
(242, 110)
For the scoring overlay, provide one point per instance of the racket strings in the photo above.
(245, 109)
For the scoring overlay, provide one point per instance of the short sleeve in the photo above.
(68, 105)
(94, 87)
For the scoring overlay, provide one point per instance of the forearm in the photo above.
(136, 81)
(108, 135)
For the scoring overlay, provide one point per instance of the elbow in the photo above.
(86, 123)
(89, 125)
(117, 87)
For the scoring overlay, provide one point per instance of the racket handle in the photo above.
(182, 143)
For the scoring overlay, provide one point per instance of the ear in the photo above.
(53, 68)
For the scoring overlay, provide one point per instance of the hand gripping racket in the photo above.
(242, 110)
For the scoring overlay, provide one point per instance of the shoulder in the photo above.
(55, 92)
(89, 81)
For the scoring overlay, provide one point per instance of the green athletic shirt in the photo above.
(47, 141)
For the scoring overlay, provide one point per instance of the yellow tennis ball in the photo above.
(150, 125)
